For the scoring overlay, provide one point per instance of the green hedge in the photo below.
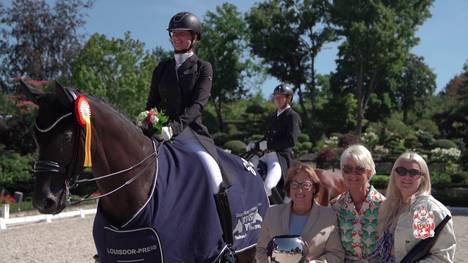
(380, 181)
(15, 172)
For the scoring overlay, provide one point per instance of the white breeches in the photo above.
(273, 175)
(209, 163)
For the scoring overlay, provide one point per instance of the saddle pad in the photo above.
(182, 211)
(137, 245)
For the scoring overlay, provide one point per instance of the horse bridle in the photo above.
(72, 179)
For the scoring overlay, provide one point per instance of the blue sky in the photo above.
(444, 36)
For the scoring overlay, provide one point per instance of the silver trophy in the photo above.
(287, 249)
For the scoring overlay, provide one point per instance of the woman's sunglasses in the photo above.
(359, 170)
(402, 171)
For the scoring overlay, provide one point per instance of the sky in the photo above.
(443, 37)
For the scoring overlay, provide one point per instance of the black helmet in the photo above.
(185, 21)
(283, 89)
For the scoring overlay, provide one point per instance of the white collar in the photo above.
(278, 112)
(181, 58)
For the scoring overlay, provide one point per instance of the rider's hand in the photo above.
(250, 146)
(263, 146)
(166, 133)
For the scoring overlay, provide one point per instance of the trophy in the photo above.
(287, 249)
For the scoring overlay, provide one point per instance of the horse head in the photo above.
(55, 133)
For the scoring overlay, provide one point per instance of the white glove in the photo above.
(250, 146)
(263, 146)
(166, 133)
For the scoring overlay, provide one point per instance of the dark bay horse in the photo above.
(140, 181)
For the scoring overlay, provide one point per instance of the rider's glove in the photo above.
(263, 146)
(165, 135)
(250, 146)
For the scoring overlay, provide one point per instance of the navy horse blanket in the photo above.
(179, 222)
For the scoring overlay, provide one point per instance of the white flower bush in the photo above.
(380, 149)
(369, 138)
(443, 155)
(331, 142)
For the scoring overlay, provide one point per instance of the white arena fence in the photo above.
(5, 219)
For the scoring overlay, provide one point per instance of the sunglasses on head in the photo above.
(402, 171)
(307, 185)
(359, 170)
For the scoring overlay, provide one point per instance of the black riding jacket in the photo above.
(182, 94)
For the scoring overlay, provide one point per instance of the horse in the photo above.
(141, 182)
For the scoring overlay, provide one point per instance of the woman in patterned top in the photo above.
(357, 209)
(410, 214)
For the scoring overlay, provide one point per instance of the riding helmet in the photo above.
(283, 89)
(185, 21)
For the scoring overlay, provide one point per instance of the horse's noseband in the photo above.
(41, 166)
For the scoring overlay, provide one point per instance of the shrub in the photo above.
(460, 178)
(464, 160)
(15, 172)
(428, 126)
(220, 138)
(444, 144)
(236, 146)
(425, 138)
(440, 179)
(303, 138)
(303, 148)
(370, 139)
(444, 155)
(380, 181)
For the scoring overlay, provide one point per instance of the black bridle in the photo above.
(72, 179)
(47, 166)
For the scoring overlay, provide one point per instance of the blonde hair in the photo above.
(360, 154)
(388, 211)
(296, 169)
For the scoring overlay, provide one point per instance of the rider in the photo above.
(282, 130)
(180, 87)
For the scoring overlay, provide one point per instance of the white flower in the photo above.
(154, 119)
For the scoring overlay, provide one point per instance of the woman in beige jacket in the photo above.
(410, 214)
(317, 225)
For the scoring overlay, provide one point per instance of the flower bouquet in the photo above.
(151, 121)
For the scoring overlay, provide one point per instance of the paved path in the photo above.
(70, 241)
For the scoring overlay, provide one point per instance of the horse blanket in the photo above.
(179, 222)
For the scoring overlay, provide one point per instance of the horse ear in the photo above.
(32, 93)
(64, 95)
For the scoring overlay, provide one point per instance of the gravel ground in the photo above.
(70, 240)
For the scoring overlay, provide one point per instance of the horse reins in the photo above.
(73, 180)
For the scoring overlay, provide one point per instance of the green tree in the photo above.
(377, 38)
(38, 40)
(417, 86)
(223, 45)
(118, 70)
(288, 36)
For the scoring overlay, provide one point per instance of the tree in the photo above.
(287, 36)
(118, 70)
(39, 41)
(223, 45)
(453, 120)
(377, 38)
(417, 86)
